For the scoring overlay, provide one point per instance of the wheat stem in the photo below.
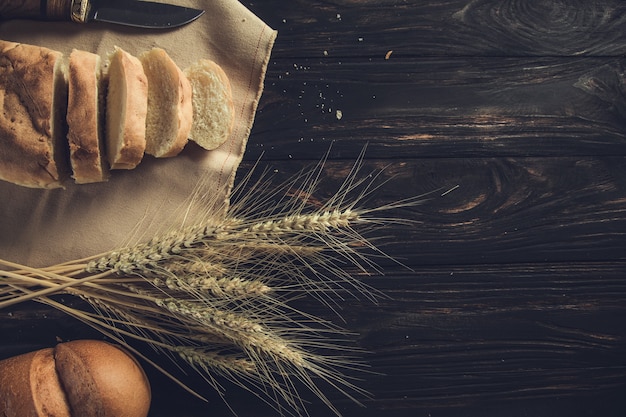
(216, 291)
(52, 286)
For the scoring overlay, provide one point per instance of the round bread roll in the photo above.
(74, 379)
(213, 108)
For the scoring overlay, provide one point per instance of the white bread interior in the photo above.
(84, 118)
(33, 94)
(170, 110)
(213, 109)
(127, 106)
(100, 121)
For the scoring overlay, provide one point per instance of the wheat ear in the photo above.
(216, 291)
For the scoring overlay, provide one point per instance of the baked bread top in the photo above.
(30, 80)
(37, 100)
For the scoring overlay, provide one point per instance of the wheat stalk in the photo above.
(216, 291)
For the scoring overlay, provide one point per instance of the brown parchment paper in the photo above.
(45, 227)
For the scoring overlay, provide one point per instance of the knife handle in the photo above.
(38, 9)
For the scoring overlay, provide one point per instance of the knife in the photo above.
(144, 14)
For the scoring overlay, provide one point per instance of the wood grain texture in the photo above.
(432, 343)
(512, 298)
(505, 209)
(371, 28)
(20, 8)
(454, 339)
(459, 107)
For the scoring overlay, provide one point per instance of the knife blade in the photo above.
(144, 14)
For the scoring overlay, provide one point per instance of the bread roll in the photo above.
(75, 379)
(170, 111)
(127, 106)
(84, 119)
(213, 108)
(33, 95)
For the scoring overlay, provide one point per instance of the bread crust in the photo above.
(96, 388)
(36, 102)
(74, 379)
(83, 118)
(126, 141)
(30, 386)
(29, 154)
(164, 74)
(45, 386)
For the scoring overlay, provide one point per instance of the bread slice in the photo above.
(84, 119)
(127, 106)
(170, 111)
(213, 109)
(33, 94)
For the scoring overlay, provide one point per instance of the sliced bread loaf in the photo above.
(127, 106)
(33, 93)
(213, 109)
(170, 111)
(84, 118)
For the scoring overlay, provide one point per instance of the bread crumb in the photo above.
(339, 114)
(388, 55)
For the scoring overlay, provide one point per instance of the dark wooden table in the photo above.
(512, 300)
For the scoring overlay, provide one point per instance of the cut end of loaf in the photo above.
(213, 108)
(33, 96)
(30, 386)
(170, 109)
